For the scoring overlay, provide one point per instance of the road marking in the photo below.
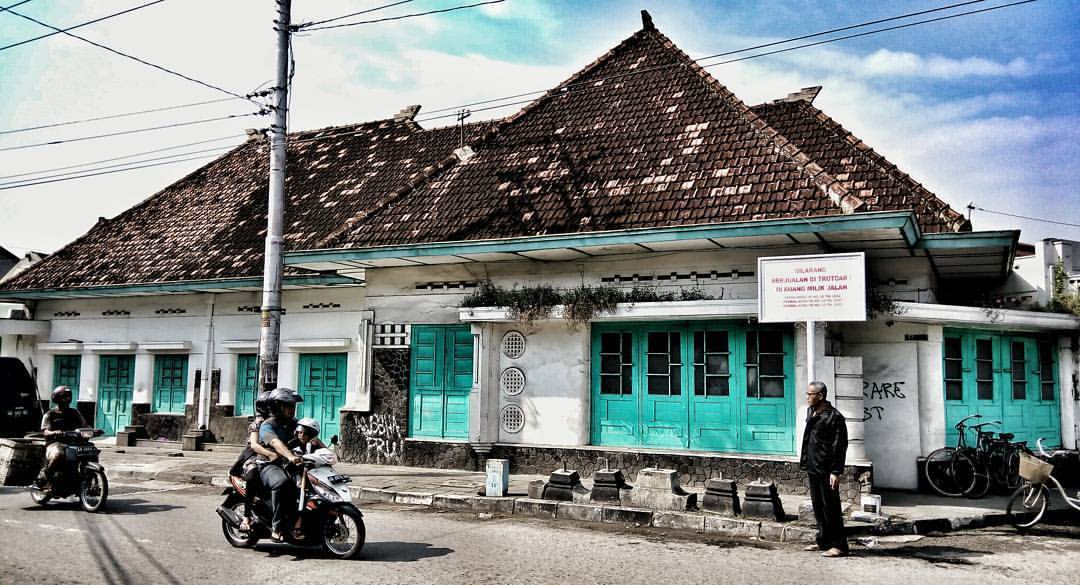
(52, 527)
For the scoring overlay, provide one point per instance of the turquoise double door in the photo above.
(116, 383)
(440, 380)
(710, 386)
(1004, 377)
(322, 385)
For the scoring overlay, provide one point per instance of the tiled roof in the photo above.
(642, 137)
(212, 223)
(864, 172)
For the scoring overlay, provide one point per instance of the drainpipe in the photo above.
(208, 368)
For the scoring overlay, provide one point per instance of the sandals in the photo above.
(834, 553)
(811, 547)
(277, 536)
(245, 525)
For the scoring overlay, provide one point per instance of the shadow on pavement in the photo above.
(128, 506)
(401, 552)
(948, 555)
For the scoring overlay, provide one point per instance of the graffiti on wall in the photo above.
(383, 438)
(882, 393)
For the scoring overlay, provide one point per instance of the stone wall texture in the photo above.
(378, 436)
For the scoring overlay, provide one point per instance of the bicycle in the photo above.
(1029, 502)
(997, 460)
(951, 470)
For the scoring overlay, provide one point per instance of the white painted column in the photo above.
(207, 367)
(89, 367)
(484, 397)
(811, 352)
(931, 390)
(358, 394)
(1069, 400)
(143, 378)
(288, 369)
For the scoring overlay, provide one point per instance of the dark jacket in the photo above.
(61, 419)
(824, 445)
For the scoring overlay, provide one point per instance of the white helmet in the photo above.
(311, 424)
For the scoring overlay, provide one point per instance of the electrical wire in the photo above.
(57, 31)
(1042, 219)
(404, 16)
(157, 164)
(116, 158)
(120, 165)
(114, 116)
(134, 131)
(344, 16)
(132, 57)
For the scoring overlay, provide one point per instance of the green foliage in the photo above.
(580, 304)
(1061, 300)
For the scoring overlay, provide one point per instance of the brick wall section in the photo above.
(379, 436)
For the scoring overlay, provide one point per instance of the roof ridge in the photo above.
(952, 218)
(836, 192)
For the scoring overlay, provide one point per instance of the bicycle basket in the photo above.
(1034, 469)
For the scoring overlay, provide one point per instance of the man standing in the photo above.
(824, 447)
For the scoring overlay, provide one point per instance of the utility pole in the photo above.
(270, 323)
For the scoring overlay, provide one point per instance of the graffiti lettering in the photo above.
(880, 390)
(382, 437)
(872, 412)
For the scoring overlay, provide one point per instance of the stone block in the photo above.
(564, 485)
(762, 501)
(493, 505)
(452, 502)
(732, 526)
(375, 495)
(721, 496)
(579, 512)
(414, 498)
(537, 508)
(608, 485)
(773, 531)
(192, 441)
(659, 489)
(627, 516)
(679, 520)
(806, 512)
(536, 489)
(799, 534)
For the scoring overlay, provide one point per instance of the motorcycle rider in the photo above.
(275, 433)
(246, 465)
(53, 424)
(307, 436)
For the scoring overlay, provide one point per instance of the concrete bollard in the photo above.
(565, 485)
(498, 477)
(721, 495)
(762, 501)
(659, 489)
(608, 486)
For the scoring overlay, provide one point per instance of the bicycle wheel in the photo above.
(1027, 505)
(1011, 470)
(939, 472)
(969, 470)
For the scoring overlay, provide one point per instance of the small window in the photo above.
(954, 369)
(1019, 371)
(712, 364)
(616, 363)
(1046, 370)
(984, 369)
(663, 357)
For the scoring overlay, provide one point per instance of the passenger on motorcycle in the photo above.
(307, 436)
(275, 433)
(246, 465)
(53, 424)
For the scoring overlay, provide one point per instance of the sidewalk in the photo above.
(905, 513)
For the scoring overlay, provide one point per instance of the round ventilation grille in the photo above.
(512, 381)
(513, 344)
(513, 418)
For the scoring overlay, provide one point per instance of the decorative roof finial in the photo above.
(646, 21)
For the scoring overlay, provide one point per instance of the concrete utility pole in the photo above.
(270, 326)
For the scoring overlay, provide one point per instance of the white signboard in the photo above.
(891, 411)
(822, 287)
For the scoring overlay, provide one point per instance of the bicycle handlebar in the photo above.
(960, 424)
(1042, 450)
(981, 425)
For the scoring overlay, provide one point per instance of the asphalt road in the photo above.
(169, 534)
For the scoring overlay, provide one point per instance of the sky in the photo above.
(981, 109)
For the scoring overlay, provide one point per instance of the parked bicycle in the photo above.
(1029, 502)
(969, 471)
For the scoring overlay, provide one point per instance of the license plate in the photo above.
(339, 479)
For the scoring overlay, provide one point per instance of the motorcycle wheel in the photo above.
(233, 534)
(344, 533)
(94, 491)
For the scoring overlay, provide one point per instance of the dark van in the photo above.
(20, 411)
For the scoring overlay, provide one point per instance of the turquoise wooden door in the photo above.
(115, 387)
(663, 419)
(714, 420)
(322, 385)
(440, 380)
(768, 411)
(1043, 407)
(615, 408)
(247, 379)
(170, 383)
(66, 370)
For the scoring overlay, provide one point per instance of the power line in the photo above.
(114, 116)
(123, 164)
(134, 131)
(590, 84)
(344, 16)
(157, 164)
(132, 57)
(116, 158)
(403, 16)
(1042, 219)
(57, 31)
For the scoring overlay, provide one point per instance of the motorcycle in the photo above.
(327, 516)
(80, 475)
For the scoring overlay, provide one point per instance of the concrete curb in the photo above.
(690, 521)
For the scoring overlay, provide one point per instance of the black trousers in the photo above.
(830, 520)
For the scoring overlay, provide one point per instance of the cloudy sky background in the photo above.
(981, 109)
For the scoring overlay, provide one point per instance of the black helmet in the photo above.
(262, 403)
(61, 392)
(282, 396)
